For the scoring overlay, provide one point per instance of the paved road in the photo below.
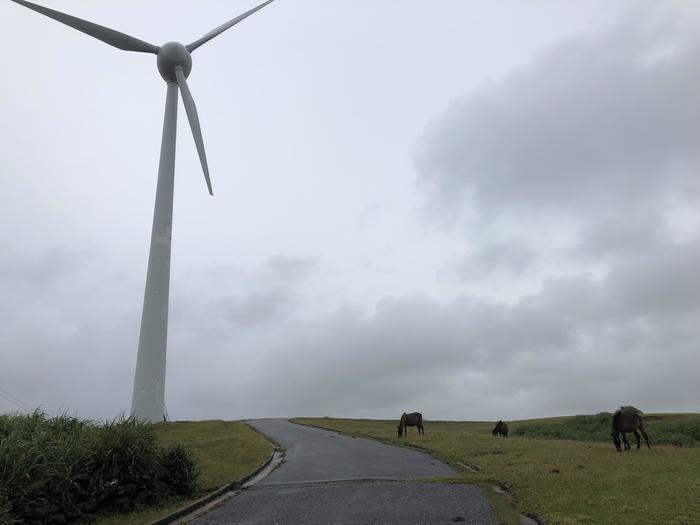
(314, 454)
(331, 478)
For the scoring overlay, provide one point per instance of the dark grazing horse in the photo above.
(624, 421)
(501, 429)
(414, 419)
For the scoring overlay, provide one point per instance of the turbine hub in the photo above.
(170, 56)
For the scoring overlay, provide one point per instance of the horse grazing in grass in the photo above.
(624, 421)
(501, 429)
(414, 419)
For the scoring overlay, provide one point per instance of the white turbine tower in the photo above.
(174, 64)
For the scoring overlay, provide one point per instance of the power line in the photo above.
(14, 400)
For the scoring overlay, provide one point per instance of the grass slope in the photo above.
(226, 451)
(563, 481)
(663, 429)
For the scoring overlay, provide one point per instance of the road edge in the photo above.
(484, 486)
(229, 487)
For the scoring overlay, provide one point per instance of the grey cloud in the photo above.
(578, 345)
(290, 268)
(70, 326)
(372, 370)
(42, 270)
(658, 285)
(509, 255)
(663, 282)
(625, 235)
(71, 321)
(254, 298)
(589, 127)
(255, 308)
(595, 140)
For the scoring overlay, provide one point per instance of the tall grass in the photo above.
(682, 431)
(56, 470)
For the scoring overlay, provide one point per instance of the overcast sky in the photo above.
(476, 210)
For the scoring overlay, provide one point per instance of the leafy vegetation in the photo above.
(564, 481)
(225, 451)
(55, 470)
(678, 430)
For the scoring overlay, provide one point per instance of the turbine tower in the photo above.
(174, 62)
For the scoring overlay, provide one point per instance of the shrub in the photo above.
(64, 469)
(182, 473)
(685, 432)
(580, 428)
(126, 468)
(43, 470)
(6, 516)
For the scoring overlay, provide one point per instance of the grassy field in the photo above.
(226, 451)
(664, 429)
(563, 481)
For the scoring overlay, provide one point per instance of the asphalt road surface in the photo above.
(329, 478)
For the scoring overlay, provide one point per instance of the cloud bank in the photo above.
(569, 188)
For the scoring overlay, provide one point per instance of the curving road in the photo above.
(328, 477)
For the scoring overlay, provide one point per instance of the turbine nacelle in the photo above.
(173, 55)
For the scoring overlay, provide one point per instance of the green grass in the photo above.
(226, 451)
(666, 429)
(563, 481)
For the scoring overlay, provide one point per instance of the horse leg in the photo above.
(616, 439)
(646, 438)
(624, 440)
(636, 434)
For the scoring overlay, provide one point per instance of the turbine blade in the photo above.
(107, 35)
(215, 32)
(192, 116)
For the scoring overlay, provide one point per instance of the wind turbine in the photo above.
(174, 62)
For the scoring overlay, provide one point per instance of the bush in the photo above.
(64, 469)
(126, 466)
(6, 517)
(579, 428)
(685, 432)
(678, 433)
(181, 471)
(43, 467)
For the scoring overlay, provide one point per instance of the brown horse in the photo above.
(624, 421)
(410, 420)
(501, 429)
